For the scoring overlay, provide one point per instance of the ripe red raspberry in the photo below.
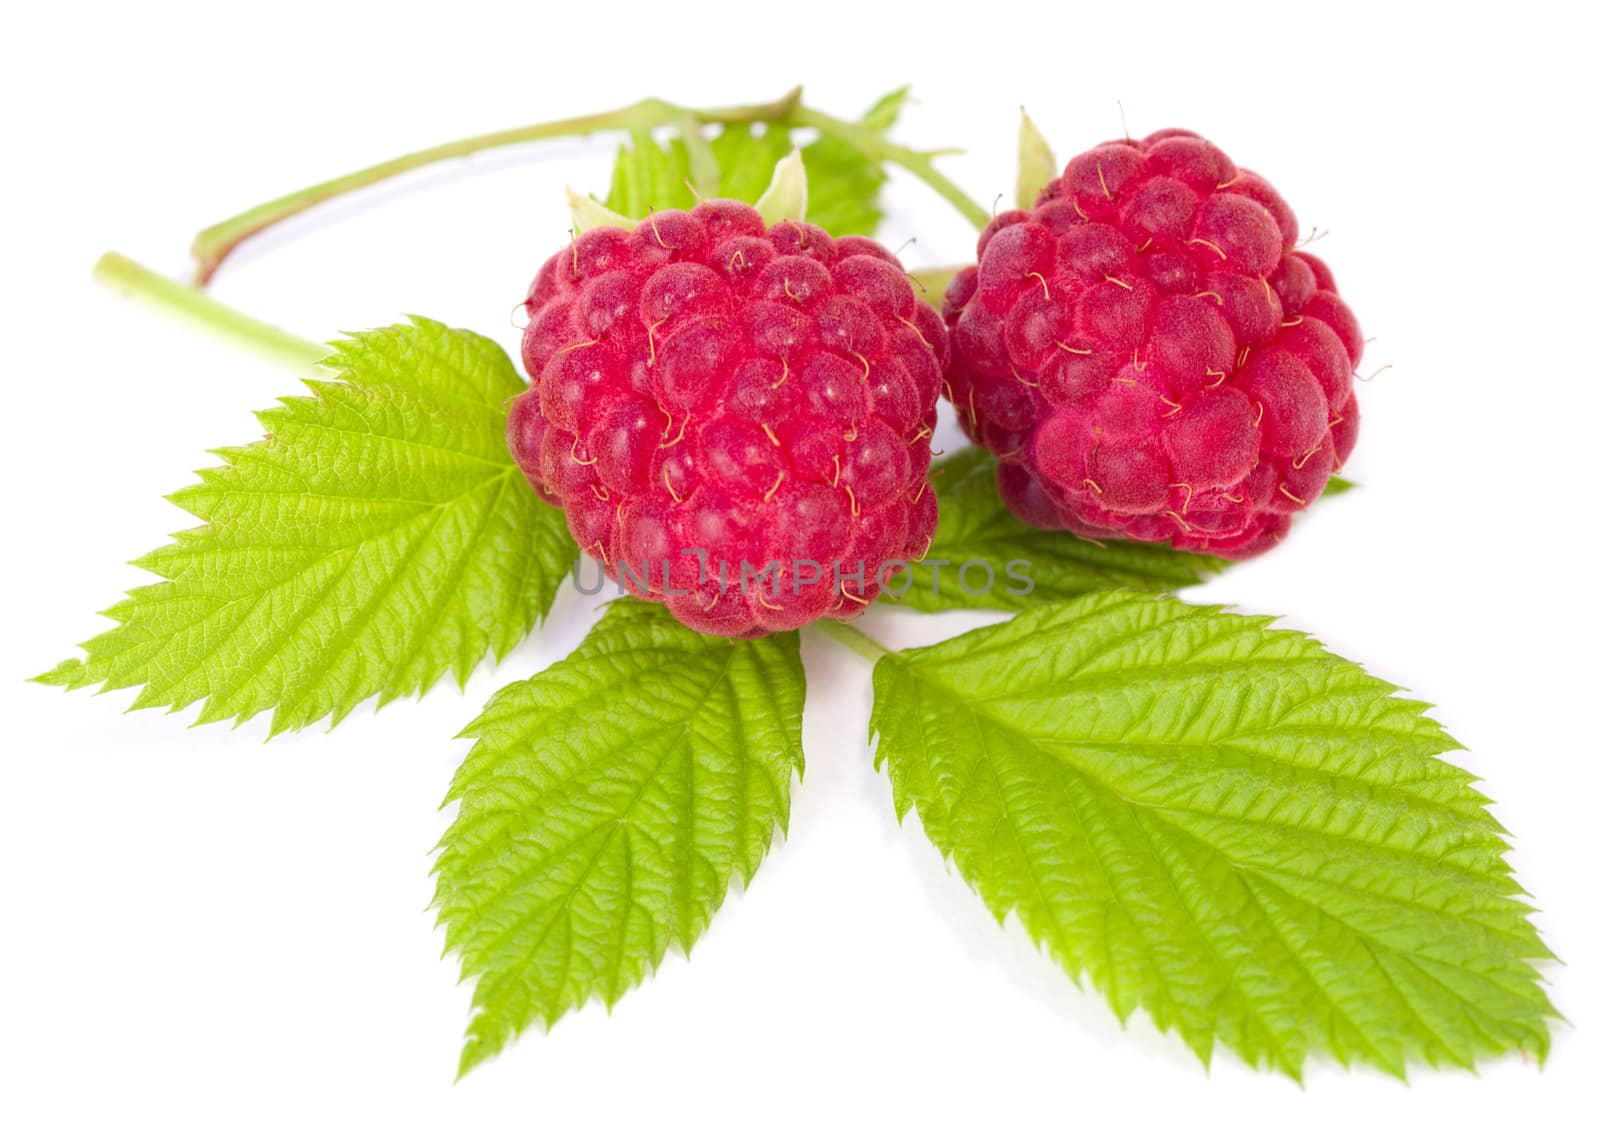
(1150, 357)
(712, 395)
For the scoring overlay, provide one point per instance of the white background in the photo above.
(207, 938)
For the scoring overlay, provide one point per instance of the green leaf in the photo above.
(1036, 163)
(604, 809)
(587, 213)
(748, 159)
(844, 184)
(378, 537)
(1223, 824)
(975, 526)
(1337, 485)
(648, 177)
(885, 110)
(785, 198)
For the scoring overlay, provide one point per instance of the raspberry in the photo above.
(735, 418)
(1149, 356)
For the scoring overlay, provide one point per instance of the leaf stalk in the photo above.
(853, 638)
(142, 283)
(214, 244)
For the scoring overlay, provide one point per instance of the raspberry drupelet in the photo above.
(735, 418)
(1148, 355)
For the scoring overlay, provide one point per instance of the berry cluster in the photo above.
(736, 418)
(1150, 357)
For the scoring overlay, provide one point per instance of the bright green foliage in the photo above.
(377, 538)
(604, 809)
(844, 183)
(1036, 163)
(785, 199)
(975, 525)
(747, 159)
(1223, 824)
(649, 177)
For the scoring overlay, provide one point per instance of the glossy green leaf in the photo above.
(604, 809)
(1224, 825)
(376, 539)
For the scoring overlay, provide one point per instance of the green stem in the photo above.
(215, 243)
(854, 639)
(875, 146)
(142, 283)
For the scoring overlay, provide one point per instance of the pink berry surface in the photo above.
(1150, 357)
(714, 399)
